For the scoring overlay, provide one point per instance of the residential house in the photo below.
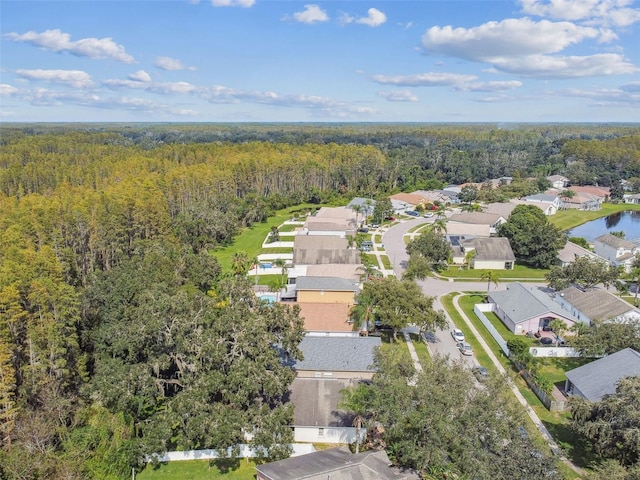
(403, 202)
(502, 209)
(335, 464)
(493, 220)
(326, 318)
(325, 290)
(595, 304)
(633, 198)
(330, 364)
(525, 308)
(366, 206)
(322, 249)
(602, 193)
(582, 201)
(338, 221)
(571, 251)
(558, 181)
(599, 379)
(493, 253)
(469, 230)
(618, 251)
(550, 204)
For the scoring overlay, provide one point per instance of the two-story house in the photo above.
(618, 251)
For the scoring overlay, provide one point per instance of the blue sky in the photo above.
(320, 61)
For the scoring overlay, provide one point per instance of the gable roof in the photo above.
(325, 317)
(600, 377)
(541, 197)
(595, 303)
(557, 178)
(337, 354)
(314, 249)
(350, 271)
(316, 400)
(600, 192)
(492, 248)
(336, 464)
(522, 302)
(502, 209)
(477, 218)
(571, 251)
(614, 242)
(332, 284)
(409, 198)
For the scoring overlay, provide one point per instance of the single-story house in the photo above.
(568, 254)
(618, 251)
(582, 201)
(366, 206)
(595, 304)
(468, 229)
(550, 204)
(320, 249)
(326, 317)
(598, 379)
(602, 193)
(558, 181)
(335, 464)
(525, 308)
(503, 209)
(632, 198)
(493, 220)
(403, 202)
(492, 253)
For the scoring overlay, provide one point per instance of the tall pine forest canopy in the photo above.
(121, 335)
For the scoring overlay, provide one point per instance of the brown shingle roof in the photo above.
(326, 317)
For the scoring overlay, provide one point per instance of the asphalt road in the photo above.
(440, 342)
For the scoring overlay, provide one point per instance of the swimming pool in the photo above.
(267, 297)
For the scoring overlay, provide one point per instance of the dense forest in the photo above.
(120, 335)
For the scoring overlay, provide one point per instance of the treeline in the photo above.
(119, 333)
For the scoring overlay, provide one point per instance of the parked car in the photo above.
(363, 230)
(465, 348)
(391, 219)
(546, 341)
(457, 335)
(413, 213)
(428, 215)
(480, 373)
(373, 225)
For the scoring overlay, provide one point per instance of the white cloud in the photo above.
(398, 96)
(345, 19)
(436, 79)
(171, 64)
(140, 76)
(374, 18)
(595, 12)
(71, 78)
(606, 97)
(57, 41)
(162, 88)
(508, 38)
(633, 87)
(233, 3)
(492, 86)
(311, 14)
(6, 89)
(544, 66)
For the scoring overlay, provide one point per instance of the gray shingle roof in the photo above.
(492, 248)
(541, 197)
(332, 284)
(595, 303)
(336, 464)
(522, 302)
(615, 242)
(315, 249)
(600, 377)
(337, 354)
(316, 402)
(479, 218)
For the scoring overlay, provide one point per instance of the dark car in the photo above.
(413, 213)
(480, 373)
(546, 341)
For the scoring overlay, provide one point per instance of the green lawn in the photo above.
(556, 422)
(236, 469)
(386, 263)
(554, 369)
(567, 219)
(290, 227)
(519, 271)
(249, 240)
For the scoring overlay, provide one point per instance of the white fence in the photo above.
(246, 451)
(478, 309)
(554, 352)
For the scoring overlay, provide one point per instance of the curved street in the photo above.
(442, 343)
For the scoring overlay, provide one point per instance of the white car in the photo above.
(465, 348)
(457, 335)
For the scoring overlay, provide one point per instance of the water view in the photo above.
(628, 222)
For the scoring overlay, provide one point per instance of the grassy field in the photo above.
(567, 219)
(250, 239)
(236, 469)
(519, 271)
(386, 263)
(556, 422)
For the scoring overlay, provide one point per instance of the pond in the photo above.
(628, 222)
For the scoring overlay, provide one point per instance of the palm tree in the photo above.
(439, 225)
(491, 276)
(256, 264)
(559, 327)
(471, 207)
(240, 263)
(361, 313)
(282, 264)
(358, 209)
(468, 257)
(635, 277)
